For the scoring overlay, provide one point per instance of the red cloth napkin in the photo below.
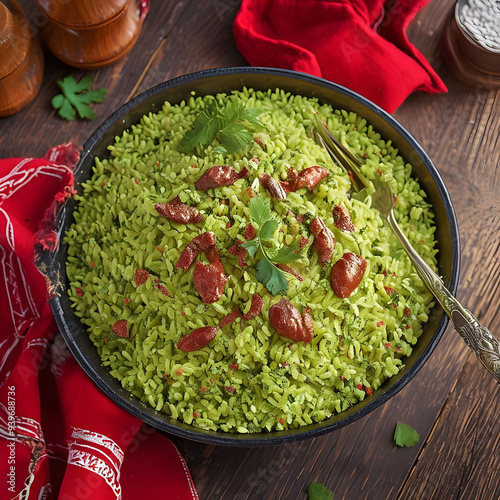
(359, 44)
(61, 437)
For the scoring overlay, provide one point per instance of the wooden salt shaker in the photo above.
(90, 34)
(21, 61)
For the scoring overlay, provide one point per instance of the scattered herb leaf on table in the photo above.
(405, 435)
(75, 98)
(317, 491)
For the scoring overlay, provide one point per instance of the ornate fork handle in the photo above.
(476, 336)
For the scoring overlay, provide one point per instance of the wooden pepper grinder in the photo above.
(21, 61)
(90, 34)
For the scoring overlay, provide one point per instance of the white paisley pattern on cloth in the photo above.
(22, 307)
(99, 454)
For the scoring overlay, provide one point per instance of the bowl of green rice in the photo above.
(202, 252)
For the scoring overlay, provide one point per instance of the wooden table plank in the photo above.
(202, 39)
(461, 458)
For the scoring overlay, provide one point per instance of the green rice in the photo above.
(249, 378)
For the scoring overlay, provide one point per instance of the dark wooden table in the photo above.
(452, 402)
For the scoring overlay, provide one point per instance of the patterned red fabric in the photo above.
(359, 44)
(60, 436)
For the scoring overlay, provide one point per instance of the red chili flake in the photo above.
(182, 312)
(398, 349)
(384, 272)
(407, 311)
(92, 263)
(212, 380)
(342, 377)
(179, 372)
(136, 181)
(368, 391)
(380, 323)
(388, 345)
(195, 415)
(393, 275)
(286, 363)
(159, 248)
(229, 388)
(394, 305)
(389, 290)
(140, 277)
(79, 292)
(379, 170)
(250, 192)
(350, 175)
(408, 327)
(365, 155)
(126, 300)
(359, 386)
(259, 142)
(420, 241)
(120, 328)
(233, 366)
(157, 163)
(104, 183)
(203, 389)
(282, 421)
(105, 339)
(228, 225)
(165, 375)
(193, 166)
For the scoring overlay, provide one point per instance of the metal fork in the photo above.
(476, 336)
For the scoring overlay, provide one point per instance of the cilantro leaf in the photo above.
(234, 137)
(271, 277)
(285, 255)
(260, 211)
(267, 230)
(251, 246)
(405, 435)
(316, 491)
(222, 122)
(250, 115)
(76, 97)
(204, 129)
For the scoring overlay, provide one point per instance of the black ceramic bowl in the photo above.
(224, 80)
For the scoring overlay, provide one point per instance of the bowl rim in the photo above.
(180, 429)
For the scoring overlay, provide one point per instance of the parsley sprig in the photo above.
(268, 274)
(76, 97)
(223, 122)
